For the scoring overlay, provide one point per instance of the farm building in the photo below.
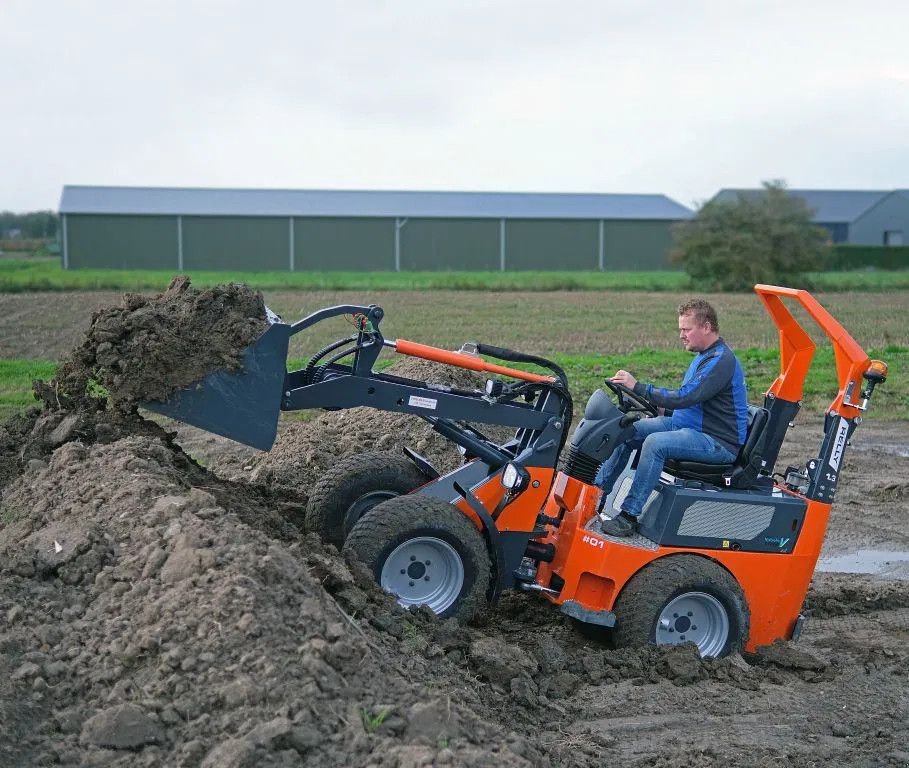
(853, 217)
(297, 230)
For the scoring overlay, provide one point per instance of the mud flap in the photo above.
(242, 405)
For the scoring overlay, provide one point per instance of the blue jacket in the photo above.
(712, 398)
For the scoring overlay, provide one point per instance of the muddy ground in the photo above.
(160, 606)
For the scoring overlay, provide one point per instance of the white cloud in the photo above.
(576, 96)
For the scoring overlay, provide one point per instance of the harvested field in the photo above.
(48, 325)
(159, 606)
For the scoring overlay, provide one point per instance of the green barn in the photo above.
(186, 229)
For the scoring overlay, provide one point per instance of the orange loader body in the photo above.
(593, 569)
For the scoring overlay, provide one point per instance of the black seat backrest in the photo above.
(744, 471)
(754, 437)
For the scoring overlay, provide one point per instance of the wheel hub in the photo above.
(694, 617)
(424, 570)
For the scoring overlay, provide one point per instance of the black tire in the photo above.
(353, 486)
(691, 581)
(404, 524)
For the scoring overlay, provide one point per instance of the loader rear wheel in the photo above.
(683, 599)
(425, 552)
(355, 485)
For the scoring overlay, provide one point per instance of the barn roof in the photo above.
(830, 205)
(342, 203)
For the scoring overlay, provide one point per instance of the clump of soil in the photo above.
(148, 347)
(143, 349)
(304, 450)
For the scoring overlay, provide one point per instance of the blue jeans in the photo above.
(657, 441)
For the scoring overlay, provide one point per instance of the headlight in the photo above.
(514, 477)
(493, 387)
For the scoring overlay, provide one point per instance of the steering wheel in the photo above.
(629, 400)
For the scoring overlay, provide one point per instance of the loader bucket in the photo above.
(242, 405)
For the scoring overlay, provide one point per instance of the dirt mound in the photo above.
(147, 347)
(142, 616)
(141, 350)
(304, 450)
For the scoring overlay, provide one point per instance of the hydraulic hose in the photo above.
(522, 357)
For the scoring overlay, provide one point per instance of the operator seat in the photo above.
(744, 472)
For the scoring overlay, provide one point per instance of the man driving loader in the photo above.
(708, 421)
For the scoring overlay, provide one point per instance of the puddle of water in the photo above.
(872, 561)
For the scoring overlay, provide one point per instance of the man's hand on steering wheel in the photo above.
(622, 384)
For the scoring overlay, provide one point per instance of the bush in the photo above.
(849, 257)
(766, 237)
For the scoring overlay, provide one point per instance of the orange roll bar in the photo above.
(413, 349)
(797, 348)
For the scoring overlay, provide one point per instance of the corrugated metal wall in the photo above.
(236, 243)
(637, 245)
(121, 242)
(439, 244)
(329, 244)
(551, 244)
(248, 243)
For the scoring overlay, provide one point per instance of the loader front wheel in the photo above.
(683, 599)
(425, 552)
(355, 485)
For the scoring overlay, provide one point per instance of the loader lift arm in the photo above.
(244, 405)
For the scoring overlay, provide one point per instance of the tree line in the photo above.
(36, 225)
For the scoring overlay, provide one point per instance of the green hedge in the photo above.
(846, 257)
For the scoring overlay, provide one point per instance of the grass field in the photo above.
(46, 274)
(586, 373)
(610, 324)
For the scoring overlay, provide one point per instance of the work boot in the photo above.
(622, 524)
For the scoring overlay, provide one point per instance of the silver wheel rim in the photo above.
(424, 571)
(694, 617)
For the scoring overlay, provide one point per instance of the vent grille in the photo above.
(579, 465)
(722, 520)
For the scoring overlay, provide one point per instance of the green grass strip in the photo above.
(43, 274)
(16, 377)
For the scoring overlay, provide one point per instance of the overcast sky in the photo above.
(681, 98)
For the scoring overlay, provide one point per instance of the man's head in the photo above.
(698, 326)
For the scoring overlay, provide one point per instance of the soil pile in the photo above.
(146, 348)
(143, 349)
(146, 624)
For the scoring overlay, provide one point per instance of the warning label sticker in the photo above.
(422, 402)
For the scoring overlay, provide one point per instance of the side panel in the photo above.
(450, 244)
(121, 242)
(244, 243)
(551, 244)
(749, 522)
(344, 244)
(637, 245)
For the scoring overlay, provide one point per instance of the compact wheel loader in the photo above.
(724, 553)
